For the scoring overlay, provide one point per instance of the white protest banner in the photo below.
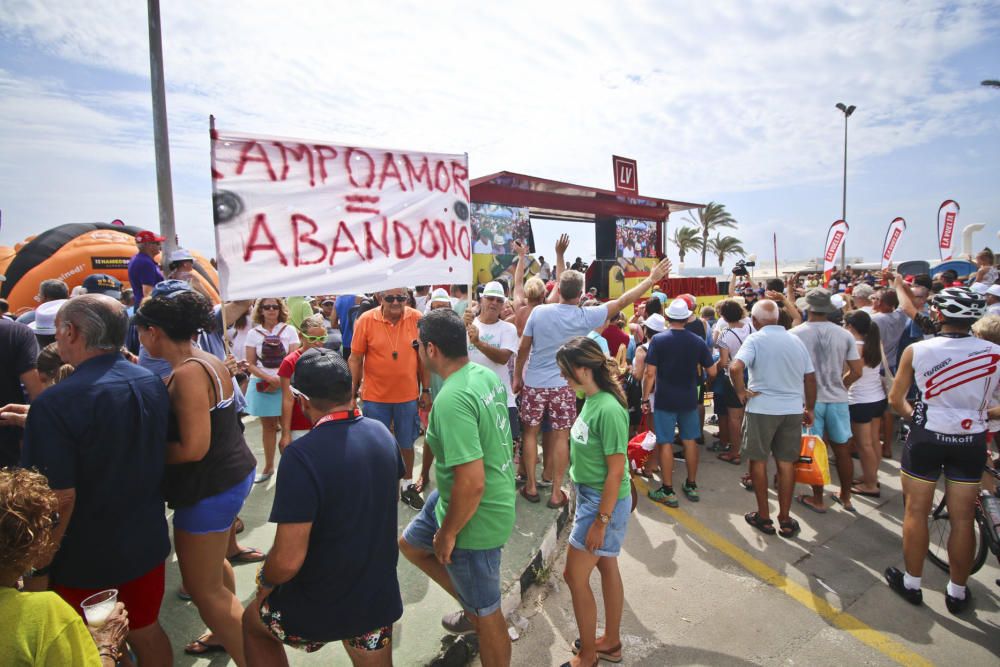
(834, 239)
(947, 220)
(892, 236)
(296, 217)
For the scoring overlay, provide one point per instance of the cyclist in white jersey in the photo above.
(955, 376)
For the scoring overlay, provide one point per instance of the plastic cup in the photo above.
(99, 606)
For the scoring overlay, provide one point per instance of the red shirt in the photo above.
(299, 421)
(615, 337)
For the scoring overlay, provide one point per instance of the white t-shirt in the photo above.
(238, 340)
(502, 335)
(255, 339)
(482, 248)
(731, 338)
(868, 388)
(544, 271)
(628, 253)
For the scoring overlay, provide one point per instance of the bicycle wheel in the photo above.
(939, 529)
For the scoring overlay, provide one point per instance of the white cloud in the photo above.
(711, 97)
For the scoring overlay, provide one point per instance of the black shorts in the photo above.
(864, 413)
(927, 453)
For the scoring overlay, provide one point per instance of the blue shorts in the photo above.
(588, 502)
(215, 513)
(475, 573)
(664, 422)
(400, 418)
(833, 420)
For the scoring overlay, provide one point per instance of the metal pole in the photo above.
(161, 141)
(843, 216)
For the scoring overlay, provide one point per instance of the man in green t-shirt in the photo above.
(457, 537)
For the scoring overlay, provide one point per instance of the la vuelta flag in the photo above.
(892, 236)
(296, 217)
(947, 223)
(834, 239)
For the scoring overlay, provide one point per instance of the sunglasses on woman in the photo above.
(270, 306)
(314, 339)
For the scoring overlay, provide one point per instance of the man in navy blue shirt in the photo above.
(331, 574)
(674, 363)
(100, 438)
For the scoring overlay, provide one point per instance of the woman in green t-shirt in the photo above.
(598, 443)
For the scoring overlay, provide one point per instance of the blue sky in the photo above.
(732, 102)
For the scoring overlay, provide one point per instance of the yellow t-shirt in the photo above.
(41, 629)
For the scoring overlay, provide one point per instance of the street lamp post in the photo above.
(848, 110)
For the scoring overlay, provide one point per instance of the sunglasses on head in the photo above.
(390, 298)
(270, 306)
(315, 339)
(296, 393)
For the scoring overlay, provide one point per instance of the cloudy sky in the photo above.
(724, 101)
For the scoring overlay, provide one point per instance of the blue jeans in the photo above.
(400, 418)
(475, 573)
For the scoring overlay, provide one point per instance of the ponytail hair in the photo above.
(861, 322)
(582, 352)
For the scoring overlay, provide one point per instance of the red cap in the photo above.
(148, 237)
(689, 299)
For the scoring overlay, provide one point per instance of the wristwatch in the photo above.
(604, 518)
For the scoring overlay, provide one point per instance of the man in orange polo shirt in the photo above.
(384, 356)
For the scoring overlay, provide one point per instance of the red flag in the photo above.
(947, 222)
(834, 239)
(892, 236)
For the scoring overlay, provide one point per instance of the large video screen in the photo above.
(495, 227)
(635, 238)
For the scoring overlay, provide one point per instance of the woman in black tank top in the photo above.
(209, 466)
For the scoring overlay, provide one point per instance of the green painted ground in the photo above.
(417, 635)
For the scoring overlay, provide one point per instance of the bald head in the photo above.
(765, 312)
(101, 321)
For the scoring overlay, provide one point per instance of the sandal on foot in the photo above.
(530, 497)
(746, 482)
(804, 500)
(246, 555)
(608, 655)
(200, 647)
(837, 499)
(765, 526)
(730, 457)
(559, 505)
(867, 494)
(788, 529)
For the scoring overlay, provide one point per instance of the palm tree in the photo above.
(711, 218)
(686, 239)
(725, 245)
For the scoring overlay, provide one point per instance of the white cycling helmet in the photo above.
(960, 303)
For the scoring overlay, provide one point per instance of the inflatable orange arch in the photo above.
(71, 252)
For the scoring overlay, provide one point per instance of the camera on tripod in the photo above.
(741, 267)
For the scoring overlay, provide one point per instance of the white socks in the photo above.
(956, 591)
(910, 582)
(404, 484)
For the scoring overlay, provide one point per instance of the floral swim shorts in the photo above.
(369, 641)
(559, 403)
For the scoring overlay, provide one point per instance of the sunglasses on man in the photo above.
(398, 299)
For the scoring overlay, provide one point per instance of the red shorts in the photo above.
(559, 403)
(141, 597)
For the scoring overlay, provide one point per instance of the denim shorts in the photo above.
(400, 418)
(475, 573)
(215, 513)
(832, 422)
(664, 422)
(588, 502)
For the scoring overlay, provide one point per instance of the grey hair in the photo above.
(765, 311)
(570, 284)
(53, 289)
(101, 320)
(315, 320)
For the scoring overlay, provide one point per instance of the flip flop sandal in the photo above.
(530, 497)
(200, 647)
(803, 501)
(746, 482)
(607, 656)
(866, 494)
(765, 526)
(788, 529)
(850, 508)
(246, 555)
(555, 506)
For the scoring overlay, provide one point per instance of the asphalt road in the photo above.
(704, 588)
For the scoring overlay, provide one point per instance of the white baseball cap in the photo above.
(181, 255)
(440, 295)
(495, 289)
(678, 310)
(655, 323)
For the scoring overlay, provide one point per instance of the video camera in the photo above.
(741, 267)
